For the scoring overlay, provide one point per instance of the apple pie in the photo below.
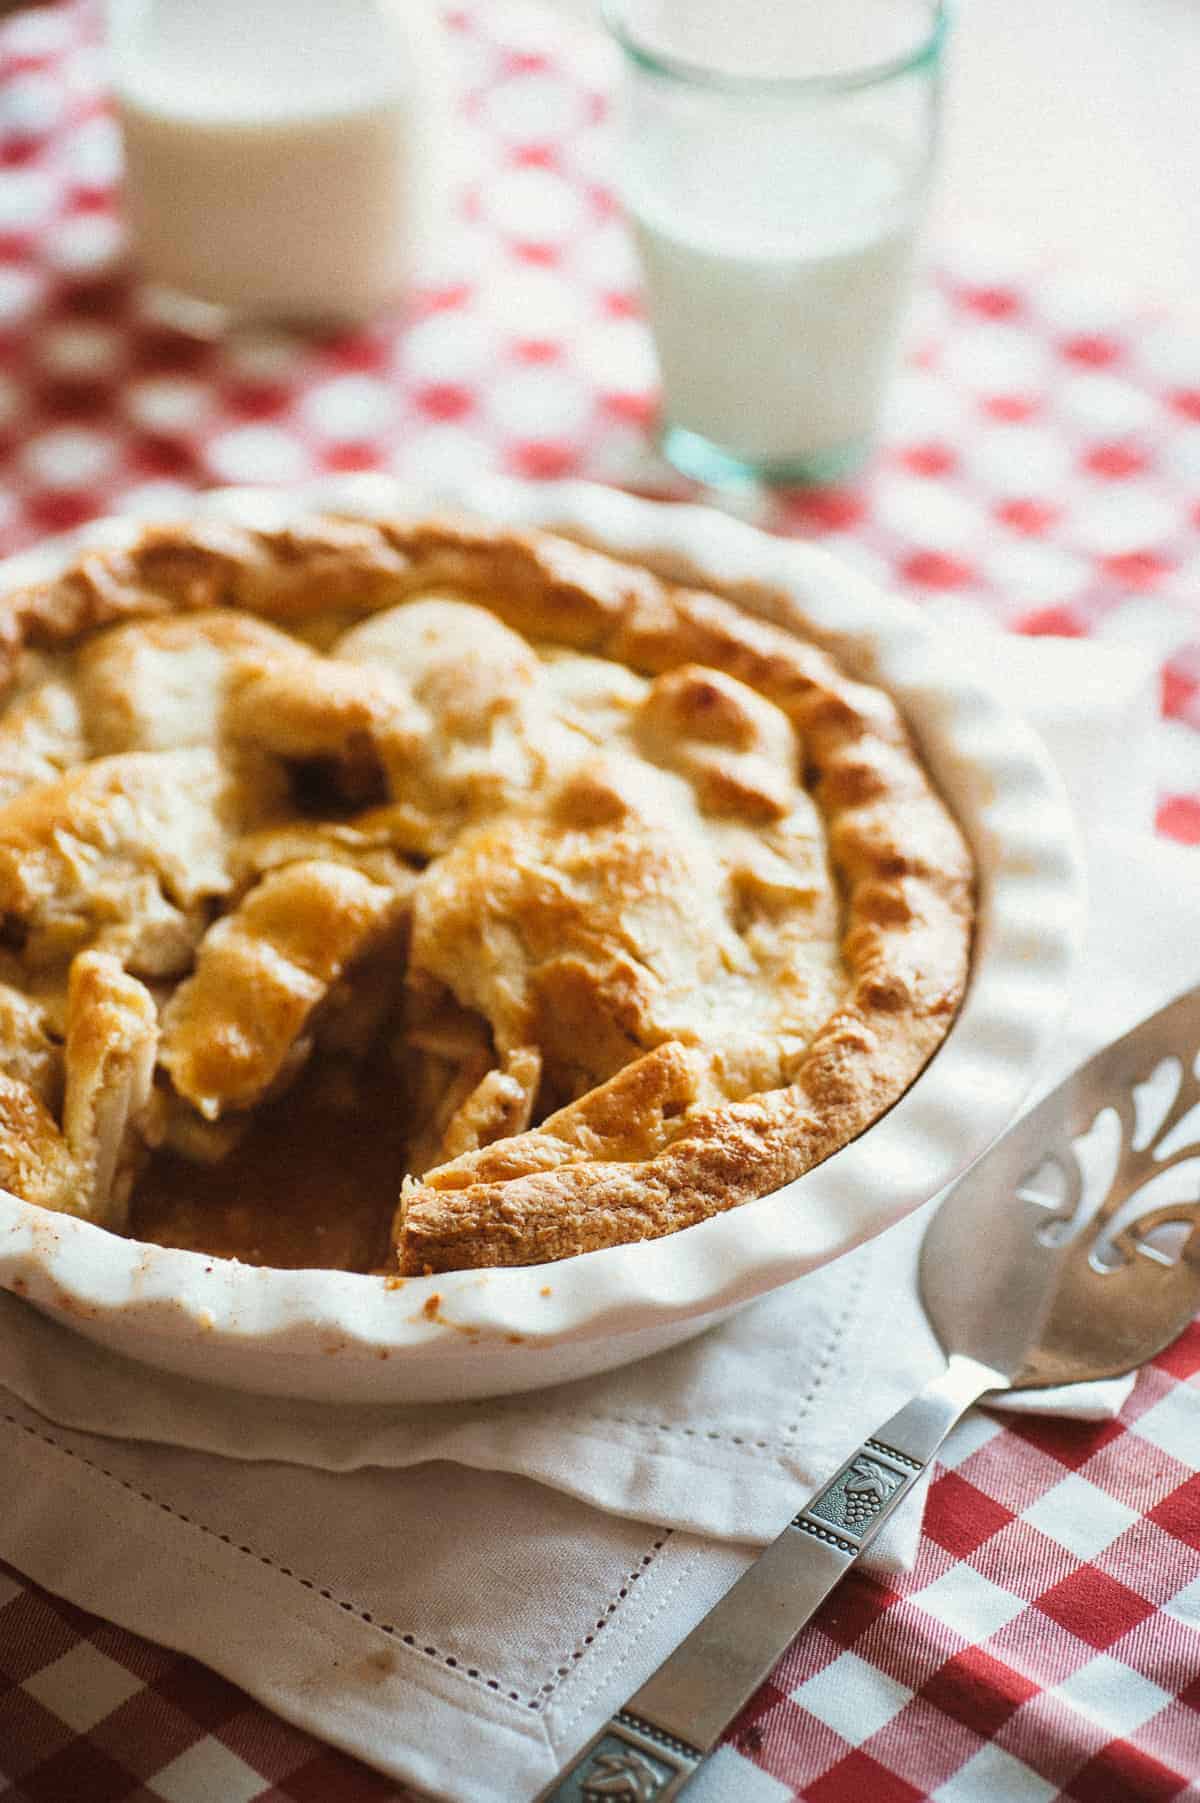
(425, 896)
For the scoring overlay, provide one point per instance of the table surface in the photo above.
(1039, 468)
(1070, 133)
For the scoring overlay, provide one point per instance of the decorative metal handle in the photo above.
(629, 1761)
(650, 1749)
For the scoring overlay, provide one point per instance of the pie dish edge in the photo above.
(502, 1329)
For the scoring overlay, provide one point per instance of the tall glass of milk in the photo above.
(776, 160)
(283, 158)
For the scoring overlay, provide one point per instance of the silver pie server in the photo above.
(1070, 1251)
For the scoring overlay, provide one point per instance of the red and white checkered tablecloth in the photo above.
(1040, 465)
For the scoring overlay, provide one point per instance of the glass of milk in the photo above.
(283, 158)
(777, 156)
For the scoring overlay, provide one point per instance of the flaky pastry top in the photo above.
(650, 905)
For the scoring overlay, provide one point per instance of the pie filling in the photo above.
(415, 924)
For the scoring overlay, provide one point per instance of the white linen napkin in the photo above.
(457, 1624)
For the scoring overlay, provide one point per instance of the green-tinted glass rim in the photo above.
(677, 68)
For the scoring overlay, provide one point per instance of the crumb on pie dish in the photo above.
(425, 895)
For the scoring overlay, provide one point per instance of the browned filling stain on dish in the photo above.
(314, 1184)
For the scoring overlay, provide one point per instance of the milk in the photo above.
(776, 290)
(283, 157)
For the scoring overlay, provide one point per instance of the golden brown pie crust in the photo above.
(651, 1147)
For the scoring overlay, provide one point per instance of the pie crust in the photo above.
(655, 906)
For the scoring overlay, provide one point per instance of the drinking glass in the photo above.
(283, 158)
(776, 160)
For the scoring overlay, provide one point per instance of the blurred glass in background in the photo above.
(776, 165)
(283, 158)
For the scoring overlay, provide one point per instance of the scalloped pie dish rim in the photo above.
(330, 1335)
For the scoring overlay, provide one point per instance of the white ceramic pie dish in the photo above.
(335, 1335)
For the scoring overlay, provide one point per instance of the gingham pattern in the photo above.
(1040, 465)
(89, 1714)
(1046, 1645)
(1040, 461)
